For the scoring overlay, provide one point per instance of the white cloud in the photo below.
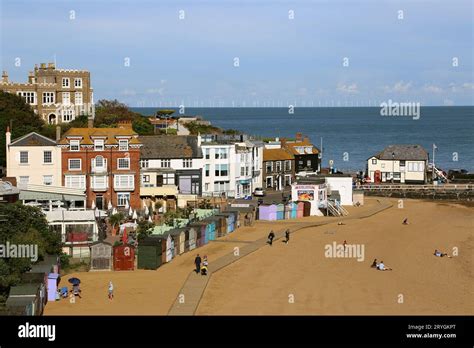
(352, 88)
(432, 89)
(468, 85)
(399, 87)
(155, 91)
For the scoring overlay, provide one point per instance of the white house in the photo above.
(232, 165)
(405, 164)
(33, 159)
(341, 184)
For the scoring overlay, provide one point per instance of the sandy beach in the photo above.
(297, 278)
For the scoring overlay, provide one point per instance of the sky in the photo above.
(250, 53)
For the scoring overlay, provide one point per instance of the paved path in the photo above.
(193, 289)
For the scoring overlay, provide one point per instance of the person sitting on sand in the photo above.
(381, 267)
(405, 222)
(374, 264)
(440, 253)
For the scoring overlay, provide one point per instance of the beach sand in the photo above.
(298, 279)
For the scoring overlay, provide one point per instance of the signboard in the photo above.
(305, 195)
(240, 205)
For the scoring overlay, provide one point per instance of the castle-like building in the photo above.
(57, 95)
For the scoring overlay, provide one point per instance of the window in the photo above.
(402, 163)
(47, 180)
(99, 162)
(374, 161)
(76, 181)
(124, 181)
(221, 186)
(165, 163)
(47, 157)
(269, 181)
(144, 164)
(145, 178)
(78, 82)
(48, 97)
(78, 98)
(220, 153)
(99, 182)
(99, 145)
(287, 165)
(168, 179)
(187, 163)
(66, 98)
(287, 180)
(123, 198)
(123, 163)
(207, 153)
(24, 180)
(24, 157)
(30, 97)
(415, 167)
(221, 170)
(123, 145)
(308, 163)
(278, 166)
(206, 186)
(207, 169)
(66, 82)
(68, 115)
(75, 164)
(74, 145)
(269, 166)
(242, 171)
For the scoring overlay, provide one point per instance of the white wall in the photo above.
(343, 185)
(35, 169)
(389, 166)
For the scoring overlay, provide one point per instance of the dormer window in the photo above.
(99, 145)
(123, 145)
(74, 145)
(309, 149)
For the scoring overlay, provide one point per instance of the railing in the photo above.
(230, 194)
(452, 187)
(333, 210)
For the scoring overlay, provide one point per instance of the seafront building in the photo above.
(56, 95)
(171, 170)
(307, 156)
(105, 163)
(405, 164)
(278, 166)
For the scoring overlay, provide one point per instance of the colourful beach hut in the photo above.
(168, 246)
(280, 212)
(101, 256)
(299, 209)
(124, 257)
(268, 212)
(150, 252)
(190, 238)
(200, 228)
(210, 229)
(53, 281)
(179, 240)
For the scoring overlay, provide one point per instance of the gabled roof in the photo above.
(169, 146)
(292, 145)
(403, 152)
(276, 155)
(33, 139)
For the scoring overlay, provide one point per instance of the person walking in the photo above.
(270, 238)
(111, 290)
(287, 236)
(197, 262)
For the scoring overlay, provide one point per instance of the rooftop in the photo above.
(111, 134)
(169, 146)
(276, 155)
(33, 139)
(403, 152)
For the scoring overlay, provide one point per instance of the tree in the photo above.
(23, 225)
(116, 219)
(144, 229)
(15, 112)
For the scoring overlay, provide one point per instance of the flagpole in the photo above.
(433, 169)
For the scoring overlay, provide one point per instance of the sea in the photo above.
(350, 135)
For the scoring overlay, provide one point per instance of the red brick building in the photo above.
(105, 163)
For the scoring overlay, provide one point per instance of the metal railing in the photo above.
(442, 187)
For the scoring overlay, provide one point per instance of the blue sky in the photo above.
(282, 61)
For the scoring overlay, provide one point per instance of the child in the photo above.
(111, 290)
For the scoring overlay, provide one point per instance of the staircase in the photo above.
(440, 174)
(336, 209)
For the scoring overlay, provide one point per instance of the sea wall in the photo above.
(465, 195)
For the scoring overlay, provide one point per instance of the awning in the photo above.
(46, 196)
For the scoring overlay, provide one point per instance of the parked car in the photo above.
(259, 192)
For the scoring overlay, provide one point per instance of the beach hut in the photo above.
(27, 297)
(210, 228)
(294, 210)
(306, 208)
(53, 282)
(221, 225)
(246, 215)
(49, 264)
(229, 220)
(149, 253)
(299, 209)
(190, 238)
(280, 212)
(179, 240)
(101, 256)
(200, 228)
(167, 246)
(124, 257)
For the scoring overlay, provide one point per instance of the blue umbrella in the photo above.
(74, 281)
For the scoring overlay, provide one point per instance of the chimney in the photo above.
(43, 66)
(4, 77)
(58, 133)
(51, 66)
(299, 136)
(31, 77)
(199, 140)
(306, 139)
(90, 122)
